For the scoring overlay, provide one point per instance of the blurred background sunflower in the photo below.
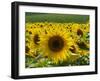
(33, 33)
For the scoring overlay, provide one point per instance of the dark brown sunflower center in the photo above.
(82, 45)
(56, 43)
(80, 32)
(73, 49)
(36, 39)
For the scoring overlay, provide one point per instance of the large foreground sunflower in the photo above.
(56, 43)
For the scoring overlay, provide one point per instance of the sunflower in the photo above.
(80, 29)
(76, 29)
(55, 43)
(68, 26)
(86, 27)
(32, 39)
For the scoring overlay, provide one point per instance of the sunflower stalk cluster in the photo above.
(56, 44)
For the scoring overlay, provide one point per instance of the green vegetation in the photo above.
(60, 18)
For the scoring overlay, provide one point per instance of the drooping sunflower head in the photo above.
(80, 29)
(76, 28)
(55, 43)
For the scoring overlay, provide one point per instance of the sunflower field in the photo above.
(56, 40)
